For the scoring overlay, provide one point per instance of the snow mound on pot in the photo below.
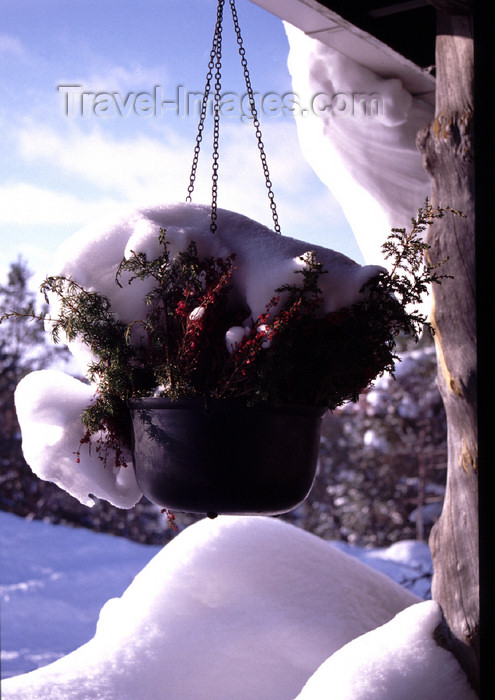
(234, 607)
(265, 259)
(49, 405)
(398, 661)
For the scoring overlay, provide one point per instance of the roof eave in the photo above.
(321, 23)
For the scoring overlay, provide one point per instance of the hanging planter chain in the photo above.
(216, 118)
(254, 114)
(215, 63)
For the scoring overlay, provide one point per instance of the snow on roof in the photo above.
(360, 138)
(322, 23)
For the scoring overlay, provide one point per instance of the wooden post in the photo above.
(447, 149)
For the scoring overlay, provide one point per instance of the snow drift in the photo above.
(236, 608)
(398, 661)
(250, 608)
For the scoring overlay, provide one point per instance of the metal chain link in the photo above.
(254, 113)
(216, 120)
(215, 62)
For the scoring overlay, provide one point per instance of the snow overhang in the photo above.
(320, 22)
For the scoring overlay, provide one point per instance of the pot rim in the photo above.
(205, 403)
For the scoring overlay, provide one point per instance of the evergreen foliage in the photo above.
(292, 353)
(23, 346)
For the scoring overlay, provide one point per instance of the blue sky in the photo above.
(62, 171)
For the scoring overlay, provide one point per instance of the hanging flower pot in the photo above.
(230, 345)
(224, 456)
(256, 338)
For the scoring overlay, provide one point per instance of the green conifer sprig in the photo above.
(292, 353)
(411, 272)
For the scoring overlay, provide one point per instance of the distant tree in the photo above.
(24, 346)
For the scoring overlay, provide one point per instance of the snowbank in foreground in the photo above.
(52, 573)
(398, 661)
(236, 607)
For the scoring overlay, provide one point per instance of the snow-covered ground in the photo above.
(237, 607)
(53, 581)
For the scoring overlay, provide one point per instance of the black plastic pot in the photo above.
(225, 457)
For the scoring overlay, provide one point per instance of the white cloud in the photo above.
(111, 78)
(26, 204)
(132, 169)
(11, 46)
(142, 169)
(37, 258)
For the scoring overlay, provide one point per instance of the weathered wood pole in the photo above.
(447, 148)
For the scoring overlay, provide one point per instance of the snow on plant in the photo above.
(291, 356)
(321, 338)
